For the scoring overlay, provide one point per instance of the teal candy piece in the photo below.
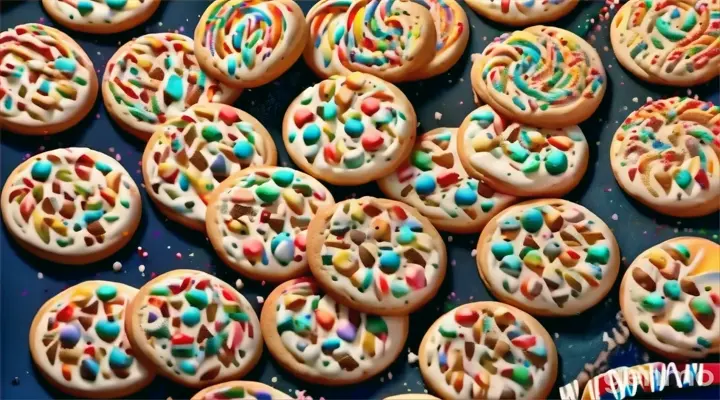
(191, 316)
(465, 196)
(188, 367)
(532, 220)
(283, 177)
(483, 117)
(84, 7)
(556, 162)
(243, 149)
(66, 65)
(119, 359)
(389, 261)
(598, 254)
(354, 127)
(653, 302)
(329, 111)
(106, 292)
(421, 160)
(197, 298)
(425, 184)
(405, 236)
(102, 167)
(500, 249)
(116, 4)
(511, 265)
(89, 369)
(330, 344)
(672, 290)
(399, 289)
(311, 134)
(267, 193)
(509, 224)
(107, 330)
(174, 87)
(40, 171)
(517, 152)
(683, 178)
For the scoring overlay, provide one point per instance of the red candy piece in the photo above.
(524, 342)
(398, 213)
(331, 154)
(372, 140)
(180, 338)
(466, 316)
(302, 117)
(370, 106)
(228, 295)
(325, 319)
(415, 276)
(301, 242)
(228, 116)
(715, 299)
(631, 173)
(702, 179)
(65, 315)
(382, 284)
(238, 335)
(447, 178)
(252, 248)
(90, 350)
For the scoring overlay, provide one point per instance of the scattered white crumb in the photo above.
(473, 253)
(239, 284)
(450, 238)
(412, 358)
(274, 379)
(390, 375)
(557, 335)
(635, 99)
(141, 268)
(438, 116)
(614, 217)
(117, 266)
(192, 254)
(260, 299)
(40, 275)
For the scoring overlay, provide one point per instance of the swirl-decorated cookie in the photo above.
(189, 155)
(257, 221)
(522, 12)
(245, 390)
(47, 82)
(671, 42)
(519, 159)
(541, 76)
(434, 182)
(78, 342)
(100, 16)
(391, 39)
(452, 32)
(196, 329)
(71, 205)
(667, 156)
(548, 257)
(376, 255)
(154, 78)
(350, 130)
(670, 297)
(248, 43)
(321, 341)
(488, 350)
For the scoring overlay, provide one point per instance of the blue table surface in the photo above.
(27, 281)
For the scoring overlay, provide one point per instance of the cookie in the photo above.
(196, 329)
(522, 12)
(71, 205)
(541, 76)
(522, 160)
(248, 43)
(100, 16)
(548, 257)
(323, 342)
(667, 156)
(257, 221)
(391, 39)
(47, 81)
(488, 350)
(78, 342)
(154, 78)
(350, 130)
(673, 43)
(412, 396)
(670, 298)
(433, 181)
(376, 255)
(190, 154)
(452, 32)
(240, 390)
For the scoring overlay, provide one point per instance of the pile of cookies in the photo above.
(349, 273)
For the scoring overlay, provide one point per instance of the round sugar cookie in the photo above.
(250, 43)
(190, 154)
(434, 182)
(519, 159)
(667, 156)
(196, 329)
(71, 206)
(376, 255)
(257, 221)
(47, 81)
(673, 42)
(522, 12)
(240, 390)
(548, 257)
(541, 76)
(100, 16)
(452, 32)
(670, 297)
(78, 342)
(391, 39)
(350, 130)
(488, 350)
(323, 342)
(154, 78)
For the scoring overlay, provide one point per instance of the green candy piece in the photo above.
(449, 333)
(399, 289)
(283, 177)
(421, 160)
(598, 254)
(701, 306)
(160, 291)
(487, 205)
(645, 328)
(518, 153)
(107, 330)
(556, 162)
(653, 302)
(672, 290)
(174, 88)
(267, 193)
(285, 325)
(197, 298)
(212, 134)
(501, 249)
(683, 324)
(704, 342)
(483, 117)
(376, 325)
(532, 164)
(532, 220)
(106, 292)
(522, 376)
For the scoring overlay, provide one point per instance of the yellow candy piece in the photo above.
(294, 200)
(356, 80)
(40, 227)
(238, 227)
(344, 262)
(657, 258)
(81, 295)
(356, 212)
(368, 343)
(380, 229)
(481, 143)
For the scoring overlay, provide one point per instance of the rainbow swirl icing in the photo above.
(670, 41)
(667, 154)
(383, 37)
(245, 38)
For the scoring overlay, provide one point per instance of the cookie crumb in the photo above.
(117, 266)
(40, 275)
(614, 217)
(412, 358)
(438, 116)
(239, 284)
(141, 268)
(274, 379)
(260, 299)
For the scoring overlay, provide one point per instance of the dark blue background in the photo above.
(578, 339)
